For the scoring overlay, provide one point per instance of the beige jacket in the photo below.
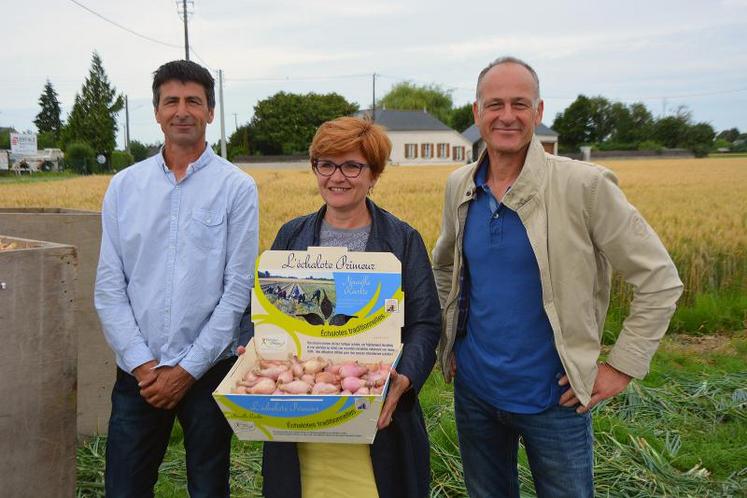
(580, 226)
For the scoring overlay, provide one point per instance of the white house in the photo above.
(547, 136)
(419, 138)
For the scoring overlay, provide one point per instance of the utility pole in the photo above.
(235, 121)
(373, 102)
(223, 152)
(182, 6)
(127, 125)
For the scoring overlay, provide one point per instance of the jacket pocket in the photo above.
(207, 228)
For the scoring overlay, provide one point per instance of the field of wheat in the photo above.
(698, 207)
(680, 433)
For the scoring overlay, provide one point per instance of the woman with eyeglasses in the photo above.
(348, 156)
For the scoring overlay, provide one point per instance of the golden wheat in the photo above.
(697, 206)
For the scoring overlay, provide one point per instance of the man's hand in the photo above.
(397, 386)
(146, 373)
(452, 364)
(609, 382)
(169, 387)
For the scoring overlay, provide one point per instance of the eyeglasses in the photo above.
(349, 169)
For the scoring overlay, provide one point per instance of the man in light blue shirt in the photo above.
(179, 242)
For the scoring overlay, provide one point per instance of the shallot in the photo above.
(324, 388)
(314, 366)
(353, 369)
(273, 372)
(315, 376)
(352, 383)
(327, 377)
(296, 387)
(264, 386)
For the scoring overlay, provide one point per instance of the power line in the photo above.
(304, 78)
(145, 37)
(702, 94)
(192, 49)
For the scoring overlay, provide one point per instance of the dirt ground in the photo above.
(719, 343)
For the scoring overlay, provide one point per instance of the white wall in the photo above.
(451, 137)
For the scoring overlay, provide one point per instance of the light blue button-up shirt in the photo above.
(177, 262)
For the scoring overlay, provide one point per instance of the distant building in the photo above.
(420, 138)
(547, 136)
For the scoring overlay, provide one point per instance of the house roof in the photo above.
(473, 132)
(406, 120)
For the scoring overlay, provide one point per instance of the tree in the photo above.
(631, 125)
(47, 140)
(48, 119)
(699, 139)
(574, 125)
(5, 137)
(670, 131)
(408, 96)
(81, 158)
(238, 142)
(285, 123)
(601, 119)
(138, 150)
(93, 118)
(461, 118)
(729, 135)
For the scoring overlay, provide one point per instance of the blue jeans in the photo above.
(558, 442)
(139, 435)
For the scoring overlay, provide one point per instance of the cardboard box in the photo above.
(357, 314)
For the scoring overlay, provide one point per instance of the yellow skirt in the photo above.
(336, 471)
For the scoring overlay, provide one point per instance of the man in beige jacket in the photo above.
(523, 266)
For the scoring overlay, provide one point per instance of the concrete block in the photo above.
(96, 365)
(37, 369)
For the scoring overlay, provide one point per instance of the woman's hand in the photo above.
(397, 386)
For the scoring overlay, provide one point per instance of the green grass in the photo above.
(11, 178)
(709, 313)
(712, 313)
(682, 432)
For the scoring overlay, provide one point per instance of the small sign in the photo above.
(23, 143)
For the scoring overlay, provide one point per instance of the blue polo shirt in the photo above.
(508, 355)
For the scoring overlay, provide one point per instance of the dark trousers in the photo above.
(139, 435)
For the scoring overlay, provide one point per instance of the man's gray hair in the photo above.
(509, 60)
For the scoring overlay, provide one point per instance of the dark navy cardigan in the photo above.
(400, 454)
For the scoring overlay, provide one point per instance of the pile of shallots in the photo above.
(316, 376)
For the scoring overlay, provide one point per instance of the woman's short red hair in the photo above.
(347, 134)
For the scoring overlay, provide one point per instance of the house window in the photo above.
(426, 151)
(442, 151)
(458, 152)
(411, 151)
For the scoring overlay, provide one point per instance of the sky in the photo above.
(664, 53)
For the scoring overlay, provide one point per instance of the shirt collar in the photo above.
(481, 175)
(202, 161)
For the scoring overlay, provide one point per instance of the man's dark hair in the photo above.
(184, 71)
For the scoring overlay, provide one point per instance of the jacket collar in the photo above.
(527, 184)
